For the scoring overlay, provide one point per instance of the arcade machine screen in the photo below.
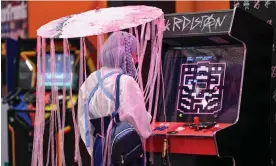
(70, 78)
(203, 82)
(27, 70)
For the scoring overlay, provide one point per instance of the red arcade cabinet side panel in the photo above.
(187, 141)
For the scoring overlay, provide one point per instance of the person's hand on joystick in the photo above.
(196, 122)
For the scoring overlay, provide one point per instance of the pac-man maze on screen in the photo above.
(201, 88)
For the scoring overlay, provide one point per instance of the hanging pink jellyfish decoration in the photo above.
(144, 22)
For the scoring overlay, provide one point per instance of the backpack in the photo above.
(126, 144)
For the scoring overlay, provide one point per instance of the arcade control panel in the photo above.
(186, 138)
(20, 100)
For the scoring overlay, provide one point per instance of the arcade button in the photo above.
(162, 124)
(71, 101)
(11, 119)
(60, 97)
(31, 107)
(178, 129)
(47, 98)
(51, 107)
(161, 128)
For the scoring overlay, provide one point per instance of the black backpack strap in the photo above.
(115, 114)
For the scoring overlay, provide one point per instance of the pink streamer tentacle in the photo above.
(42, 106)
(35, 141)
(106, 157)
(42, 102)
(77, 156)
(65, 52)
(53, 101)
(83, 57)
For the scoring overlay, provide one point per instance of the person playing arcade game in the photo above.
(116, 76)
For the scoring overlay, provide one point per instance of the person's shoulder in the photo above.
(127, 78)
(128, 81)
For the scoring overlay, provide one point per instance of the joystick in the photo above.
(196, 122)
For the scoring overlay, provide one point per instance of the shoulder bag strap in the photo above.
(115, 114)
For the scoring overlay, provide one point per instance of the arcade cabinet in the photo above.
(8, 55)
(22, 100)
(216, 68)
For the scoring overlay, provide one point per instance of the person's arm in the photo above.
(81, 121)
(132, 106)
